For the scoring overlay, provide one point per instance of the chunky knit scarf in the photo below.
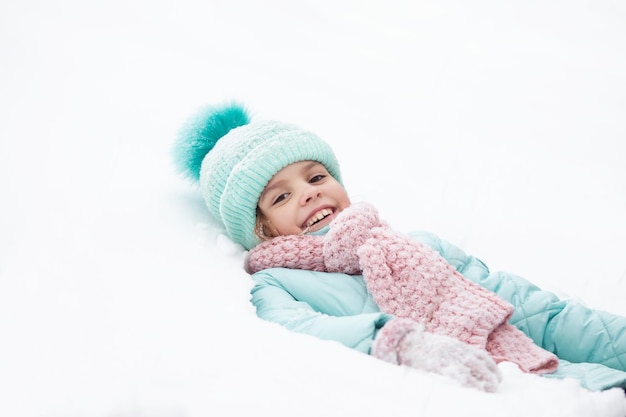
(407, 279)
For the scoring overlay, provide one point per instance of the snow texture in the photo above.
(497, 125)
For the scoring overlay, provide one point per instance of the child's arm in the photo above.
(328, 306)
(338, 308)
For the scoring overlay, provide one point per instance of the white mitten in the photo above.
(404, 342)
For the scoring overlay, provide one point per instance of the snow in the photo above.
(498, 125)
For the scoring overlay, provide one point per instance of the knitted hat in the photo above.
(233, 159)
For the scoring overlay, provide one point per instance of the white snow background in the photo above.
(499, 125)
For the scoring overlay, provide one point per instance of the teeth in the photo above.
(319, 216)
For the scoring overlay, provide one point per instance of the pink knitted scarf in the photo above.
(407, 279)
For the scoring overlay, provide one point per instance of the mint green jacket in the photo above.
(590, 344)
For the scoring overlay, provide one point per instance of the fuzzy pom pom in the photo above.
(201, 132)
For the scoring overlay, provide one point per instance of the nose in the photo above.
(310, 193)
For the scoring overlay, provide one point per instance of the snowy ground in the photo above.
(498, 125)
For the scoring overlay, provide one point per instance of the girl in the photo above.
(332, 269)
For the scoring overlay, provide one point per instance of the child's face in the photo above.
(301, 197)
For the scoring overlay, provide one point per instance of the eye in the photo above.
(280, 198)
(317, 178)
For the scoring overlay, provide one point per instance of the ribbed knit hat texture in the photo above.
(233, 159)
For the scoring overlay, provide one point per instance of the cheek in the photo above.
(282, 222)
(341, 195)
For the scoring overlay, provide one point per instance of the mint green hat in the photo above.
(233, 159)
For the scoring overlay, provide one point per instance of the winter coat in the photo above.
(590, 344)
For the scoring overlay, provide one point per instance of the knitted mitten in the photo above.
(347, 233)
(404, 342)
(410, 280)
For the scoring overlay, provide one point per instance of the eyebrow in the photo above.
(277, 184)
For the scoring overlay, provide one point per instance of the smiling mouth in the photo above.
(317, 217)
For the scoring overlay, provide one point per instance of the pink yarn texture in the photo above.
(408, 280)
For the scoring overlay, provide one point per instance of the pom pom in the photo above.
(201, 132)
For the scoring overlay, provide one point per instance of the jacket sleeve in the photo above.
(292, 302)
(567, 328)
